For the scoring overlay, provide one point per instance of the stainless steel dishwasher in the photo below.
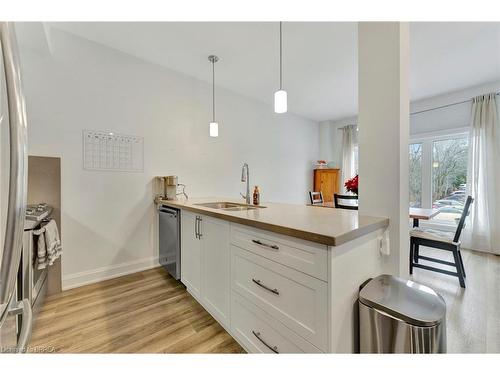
(170, 240)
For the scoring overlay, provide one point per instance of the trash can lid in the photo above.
(413, 303)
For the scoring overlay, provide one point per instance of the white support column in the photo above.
(383, 76)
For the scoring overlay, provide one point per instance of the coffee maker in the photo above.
(170, 188)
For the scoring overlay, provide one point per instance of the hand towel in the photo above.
(52, 241)
(49, 244)
(41, 259)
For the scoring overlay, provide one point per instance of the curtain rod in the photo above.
(444, 106)
(432, 109)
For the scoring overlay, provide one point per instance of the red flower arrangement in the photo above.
(352, 185)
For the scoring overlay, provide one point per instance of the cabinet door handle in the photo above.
(273, 348)
(199, 227)
(196, 227)
(259, 283)
(258, 242)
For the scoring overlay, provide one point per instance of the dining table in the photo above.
(416, 213)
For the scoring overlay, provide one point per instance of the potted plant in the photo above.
(351, 185)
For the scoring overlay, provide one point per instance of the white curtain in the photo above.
(349, 141)
(483, 178)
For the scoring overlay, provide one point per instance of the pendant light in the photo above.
(214, 126)
(280, 96)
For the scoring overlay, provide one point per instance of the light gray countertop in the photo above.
(328, 226)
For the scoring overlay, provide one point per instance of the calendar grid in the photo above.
(108, 151)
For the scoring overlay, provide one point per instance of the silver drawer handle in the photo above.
(275, 291)
(273, 348)
(265, 244)
(199, 227)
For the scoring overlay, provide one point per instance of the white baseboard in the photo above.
(105, 273)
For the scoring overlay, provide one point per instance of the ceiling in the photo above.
(320, 59)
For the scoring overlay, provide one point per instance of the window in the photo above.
(438, 175)
(449, 177)
(355, 156)
(416, 175)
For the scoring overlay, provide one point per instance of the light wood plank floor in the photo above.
(473, 314)
(146, 312)
(150, 312)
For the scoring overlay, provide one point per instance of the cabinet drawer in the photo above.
(260, 333)
(301, 255)
(295, 299)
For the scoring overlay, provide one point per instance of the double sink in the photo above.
(229, 206)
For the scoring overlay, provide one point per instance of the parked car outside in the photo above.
(447, 202)
(456, 197)
(451, 210)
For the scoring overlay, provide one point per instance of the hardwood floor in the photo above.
(150, 312)
(146, 312)
(473, 314)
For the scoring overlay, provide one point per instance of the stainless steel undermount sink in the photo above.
(240, 208)
(229, 206)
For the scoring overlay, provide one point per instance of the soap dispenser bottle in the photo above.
(256, 196)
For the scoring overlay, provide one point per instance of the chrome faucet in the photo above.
(246, 178)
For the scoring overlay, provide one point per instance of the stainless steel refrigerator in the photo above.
(15, 312)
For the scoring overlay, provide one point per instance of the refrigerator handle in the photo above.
(24, 308)
(18, 167)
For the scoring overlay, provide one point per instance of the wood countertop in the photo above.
(330, 227)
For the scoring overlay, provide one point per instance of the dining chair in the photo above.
(316, 197)
(437, 239)
(338, 198)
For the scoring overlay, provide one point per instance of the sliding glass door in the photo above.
(438, 175)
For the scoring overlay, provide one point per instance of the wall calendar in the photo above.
(109, 151)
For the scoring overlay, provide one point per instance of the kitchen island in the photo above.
(279, 277)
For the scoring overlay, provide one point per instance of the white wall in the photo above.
(331, 139)
(445, 119)
(109, 219)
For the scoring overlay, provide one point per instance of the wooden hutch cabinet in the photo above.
(328, 182)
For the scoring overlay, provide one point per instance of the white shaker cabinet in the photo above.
(205, 257)
(276, 293)
(215, 268)
(190, 253)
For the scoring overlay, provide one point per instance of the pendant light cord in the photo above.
(281, 55)
(213, 91)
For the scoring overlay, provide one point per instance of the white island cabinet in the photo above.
(205, 262)
(283, 278)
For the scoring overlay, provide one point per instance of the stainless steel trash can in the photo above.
(401, 316)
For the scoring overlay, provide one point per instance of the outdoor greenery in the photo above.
(415, 175)
(449, 168)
